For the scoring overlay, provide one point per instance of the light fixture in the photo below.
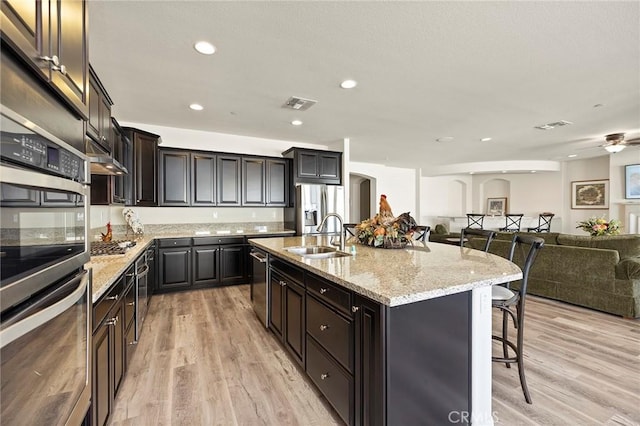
(533, 171)
(572, 155)
(614, 148)
(348, 84)
(504, 171)
(205, 47)
(196, 107)
(296, 122)
(445, 139)
(485, 139)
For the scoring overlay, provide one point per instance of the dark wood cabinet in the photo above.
(287, 308)
(253, 182)
(232, 264)
(206, 265)
(229, 180)
(203, 179)
(312, 166)
(51, 38)
(277, 185)
(122, 152)
(99, 123)
(175, 178)
(108, 368)
(143, 174)
(174, 267)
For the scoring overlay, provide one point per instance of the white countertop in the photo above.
(396, 277)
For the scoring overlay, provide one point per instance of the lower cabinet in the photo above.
(185, 263)
(108, 349)
(335, 335)
(287, 307)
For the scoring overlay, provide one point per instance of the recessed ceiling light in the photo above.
(445, 139)
(205, 47)
(485, 139)
(348, 84)
(504, 171)
(196, 107)
(572, 155)
(533, 171)
(470, 173)
(296, 122)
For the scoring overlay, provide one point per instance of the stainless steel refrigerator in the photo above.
(313, 202)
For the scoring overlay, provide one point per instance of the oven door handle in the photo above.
(41, 181)
(25, 321)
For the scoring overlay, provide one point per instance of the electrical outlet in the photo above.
(215, 215)
(273, 214)
(253, 215)
(15, 218)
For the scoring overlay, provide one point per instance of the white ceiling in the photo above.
(425, 70)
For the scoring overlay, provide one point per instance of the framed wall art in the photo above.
(590, 194)
(632, 181)
(496, 206)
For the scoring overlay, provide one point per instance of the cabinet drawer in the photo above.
(334, 383)
(175, 242)
(332, 331)
(288, 269)
(329, 292)
(102, 307)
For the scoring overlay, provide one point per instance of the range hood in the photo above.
(102, 163)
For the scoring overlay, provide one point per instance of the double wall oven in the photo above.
(45, 289)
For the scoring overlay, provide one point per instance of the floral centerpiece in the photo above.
(384, 230)
(598, 226)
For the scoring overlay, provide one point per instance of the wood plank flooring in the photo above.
(204, 359)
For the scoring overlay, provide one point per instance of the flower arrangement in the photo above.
(598, 226)
(385, 230)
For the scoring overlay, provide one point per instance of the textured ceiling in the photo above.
(425, 70)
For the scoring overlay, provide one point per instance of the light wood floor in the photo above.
(204, 359)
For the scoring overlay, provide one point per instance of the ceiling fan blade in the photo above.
(633, 141)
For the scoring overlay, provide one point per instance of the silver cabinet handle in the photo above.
(283, 283)
(112, 297)
(324, 376)
(112, 321)
(355, 309)
(323, 290)
(131, 304)
(323, 327)
(135, 342)
(258, 257)
(53, 59)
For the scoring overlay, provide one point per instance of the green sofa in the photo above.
(602, 273)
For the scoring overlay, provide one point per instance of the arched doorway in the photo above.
(361, 203)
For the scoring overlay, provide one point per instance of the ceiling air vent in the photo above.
(553, 125)
(299, 104)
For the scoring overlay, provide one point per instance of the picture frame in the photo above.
(632, 181)
(496, 206)
(590, 194)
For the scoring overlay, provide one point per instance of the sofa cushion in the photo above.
(628, 269)
(628, 246)
(548, 237)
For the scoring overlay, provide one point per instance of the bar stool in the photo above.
(349, 230)
(484, 233)
(504, 298)
(475, 221)
(512, 222)
(420, 233)
(544, 223)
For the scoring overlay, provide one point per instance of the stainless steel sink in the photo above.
(316, 252)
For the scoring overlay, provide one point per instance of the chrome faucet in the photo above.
(322, 224)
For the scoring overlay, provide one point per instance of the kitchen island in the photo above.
(390, 336)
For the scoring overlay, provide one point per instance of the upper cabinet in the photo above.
(142, 175)
(200, 178)
(312, 166)
(99, 123)
(51, 38)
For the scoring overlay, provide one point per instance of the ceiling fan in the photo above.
(616, 142)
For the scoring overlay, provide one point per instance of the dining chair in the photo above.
(511, 302)
(349, 230)
(512, 222)
(475, 221)
(544, 223)
(483, 233)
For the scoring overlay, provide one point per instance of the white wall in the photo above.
(398, 184)
(444, 196)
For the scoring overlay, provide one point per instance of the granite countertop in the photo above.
(107, 269)
(400, 276)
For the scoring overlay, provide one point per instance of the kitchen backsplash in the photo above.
(100, 215)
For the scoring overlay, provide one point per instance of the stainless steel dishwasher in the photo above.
(259, 277)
